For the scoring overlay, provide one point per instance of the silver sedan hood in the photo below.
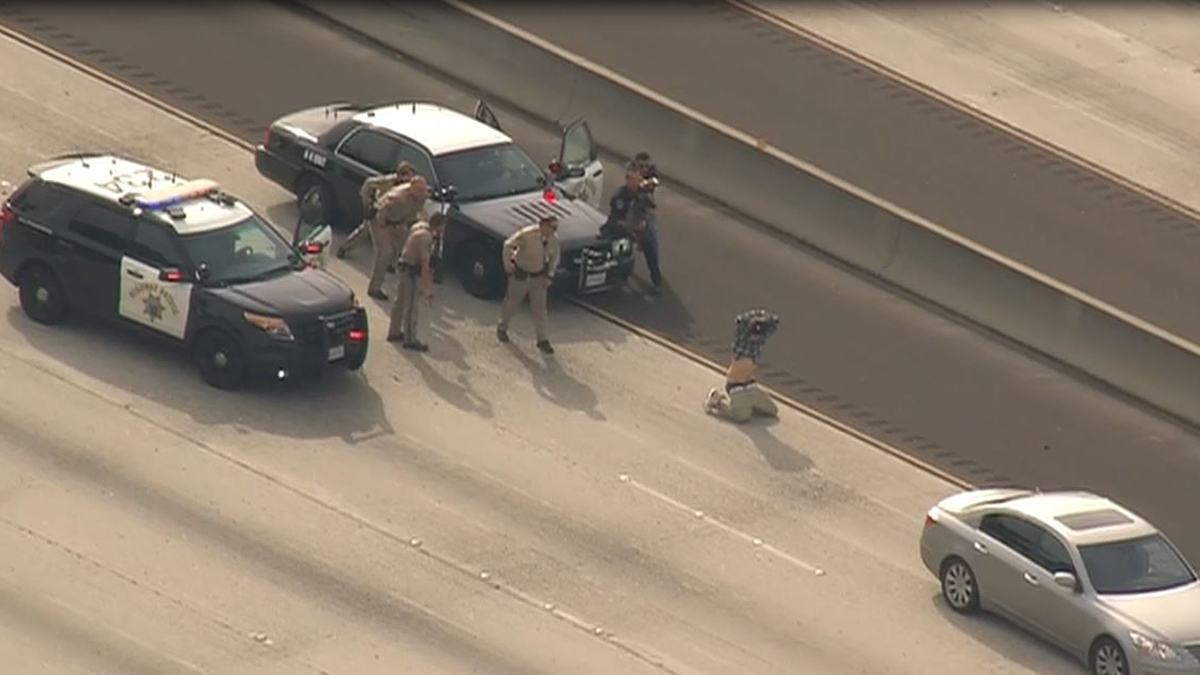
(1173, 614)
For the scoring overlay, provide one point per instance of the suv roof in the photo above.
(441, 130)
(187, 206)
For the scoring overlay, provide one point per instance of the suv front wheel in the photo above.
(481, 270)
(219, 359)
(42, 295)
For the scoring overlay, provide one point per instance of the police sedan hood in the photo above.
(302, 294)
(578, 223)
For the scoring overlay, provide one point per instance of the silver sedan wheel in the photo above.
(1109, 661)
(958, 585)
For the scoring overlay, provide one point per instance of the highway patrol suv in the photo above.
(110, 237)
(487, 185)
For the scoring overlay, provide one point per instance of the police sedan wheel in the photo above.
(219, 360)
(1108, 658)
(959, 587)
(42, 296)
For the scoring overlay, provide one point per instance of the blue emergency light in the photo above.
(168, 196)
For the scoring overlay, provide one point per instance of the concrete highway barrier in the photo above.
(789, 195)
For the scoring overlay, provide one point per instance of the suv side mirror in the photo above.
(1066, 580)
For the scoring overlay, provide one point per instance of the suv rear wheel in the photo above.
(42, 295)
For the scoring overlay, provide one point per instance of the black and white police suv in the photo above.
(488, 186)
(110, 237)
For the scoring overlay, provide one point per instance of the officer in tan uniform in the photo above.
(396, 210)
(416, 262)
(372, 188)
(531, 255)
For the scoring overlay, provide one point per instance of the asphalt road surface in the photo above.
(461, 511)
(904, 146)
(948, 395)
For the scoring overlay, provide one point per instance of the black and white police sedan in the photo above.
(182, 259)
(488, 186)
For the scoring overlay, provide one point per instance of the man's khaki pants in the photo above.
(385, 252)
(740, 403)
(535, 288)
(404, 310)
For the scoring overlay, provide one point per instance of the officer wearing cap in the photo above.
(531, 255)
(416, 262)
(742, 398)
(372, 188)
(395, 212)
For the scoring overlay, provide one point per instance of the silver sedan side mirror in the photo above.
(1066, 580)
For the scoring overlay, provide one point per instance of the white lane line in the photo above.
(728, 529)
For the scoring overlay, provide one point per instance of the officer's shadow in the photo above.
(459, 392)
(556, 385)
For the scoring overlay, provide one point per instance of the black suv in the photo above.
(110, 237)
(487, 185)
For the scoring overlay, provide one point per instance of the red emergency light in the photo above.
(550, 196)
(356, 335)
(312, 249)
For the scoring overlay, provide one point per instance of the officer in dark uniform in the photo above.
(631, 213)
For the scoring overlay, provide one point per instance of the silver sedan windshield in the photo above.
(1135, 566)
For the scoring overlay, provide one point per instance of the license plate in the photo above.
(595, 279)
(337, 352)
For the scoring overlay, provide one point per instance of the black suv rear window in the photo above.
(38, 199)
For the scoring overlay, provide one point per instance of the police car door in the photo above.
(483, 113)
(580, 173)
(365, 152)
(154, 290)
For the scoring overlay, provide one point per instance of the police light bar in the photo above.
(164, 197)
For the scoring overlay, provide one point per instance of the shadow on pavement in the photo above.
(779, 455)
(992, 632)
(341, 405)
(458, 392)
(553, 383)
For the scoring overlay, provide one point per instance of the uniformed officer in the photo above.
(742, 398)
(416, 262)
(395, 211)
(631, 213)
(372, 188)
(531, 255)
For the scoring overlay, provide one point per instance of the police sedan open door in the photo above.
(579, 171)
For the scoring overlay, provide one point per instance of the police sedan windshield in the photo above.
(490, 172)
(245, 251)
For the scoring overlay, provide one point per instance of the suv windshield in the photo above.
(488, 173)
(245, 251)
(1135, 566)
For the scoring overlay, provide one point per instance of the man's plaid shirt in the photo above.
(747, 344)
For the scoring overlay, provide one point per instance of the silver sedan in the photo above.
(1077, 569)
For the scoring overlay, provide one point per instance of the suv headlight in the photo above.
(271, 325)
(622, 246)
(1153, 648)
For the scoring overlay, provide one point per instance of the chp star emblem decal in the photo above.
(153, 307)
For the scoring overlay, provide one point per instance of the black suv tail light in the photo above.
(7, 215)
